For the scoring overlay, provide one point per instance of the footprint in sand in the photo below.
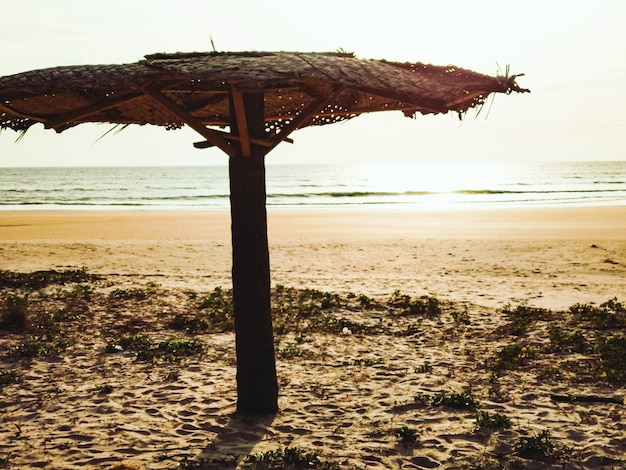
(153, 411)
(79, 437)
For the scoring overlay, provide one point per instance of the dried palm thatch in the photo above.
(300, 89)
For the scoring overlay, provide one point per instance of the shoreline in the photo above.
(604, 222)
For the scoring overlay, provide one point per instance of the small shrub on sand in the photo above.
(206, 461)
(289, 457)
(80, 291)
(134, 293)
(522, 317)
(542, 447)
(406, 434)
(39, 279)
(425, 368)
(612, 351)
(219, 304)
(510, 357)
(324, 300)
(8, 377)
(610, 314)
(465, 400)
(425, 306)
(293, 350)
(147, 350)
(189, 324)
(36, 348)
(564, 342)
(491, 421)
(105, 389)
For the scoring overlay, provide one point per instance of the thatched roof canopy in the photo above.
(262, 97)
(314, 88)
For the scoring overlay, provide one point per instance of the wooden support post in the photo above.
(257, 385)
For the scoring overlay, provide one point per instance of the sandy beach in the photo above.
(550, 257)
(354, 400)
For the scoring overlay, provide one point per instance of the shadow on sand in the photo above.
(235, 440)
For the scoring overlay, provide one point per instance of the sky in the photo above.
(571, 53)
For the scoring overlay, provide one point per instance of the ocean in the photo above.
(391, 185)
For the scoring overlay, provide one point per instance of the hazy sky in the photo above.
(572, 53)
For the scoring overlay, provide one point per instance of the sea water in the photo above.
(302, 186)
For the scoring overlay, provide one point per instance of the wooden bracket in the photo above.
(196, 124)
(307, 113)
(242, 122)
(205, 144)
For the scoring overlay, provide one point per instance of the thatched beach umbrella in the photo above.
(245, 104)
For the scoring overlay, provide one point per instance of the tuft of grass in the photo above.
(205, 461)
(324, 300)
(542, 447)
(465, 400)
(128, 293)
(80, 291)
(105, 389)
(491, 421)
(292, 350)
(46, 327)
(8, 377)
(425, 368)
(180, 348)
(62, 315)
(406, 434)
(37, 348)
(189, 324)
(461, 317)
(172, 376)
(366, 362)
(364, 301)
(536, 447)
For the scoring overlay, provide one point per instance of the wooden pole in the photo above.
(257, 385)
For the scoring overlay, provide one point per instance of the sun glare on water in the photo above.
(434, 184)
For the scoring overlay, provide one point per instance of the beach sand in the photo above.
(346, 396)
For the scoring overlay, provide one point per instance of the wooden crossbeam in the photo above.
(265, 143)
(74, 116)
(196, 124)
